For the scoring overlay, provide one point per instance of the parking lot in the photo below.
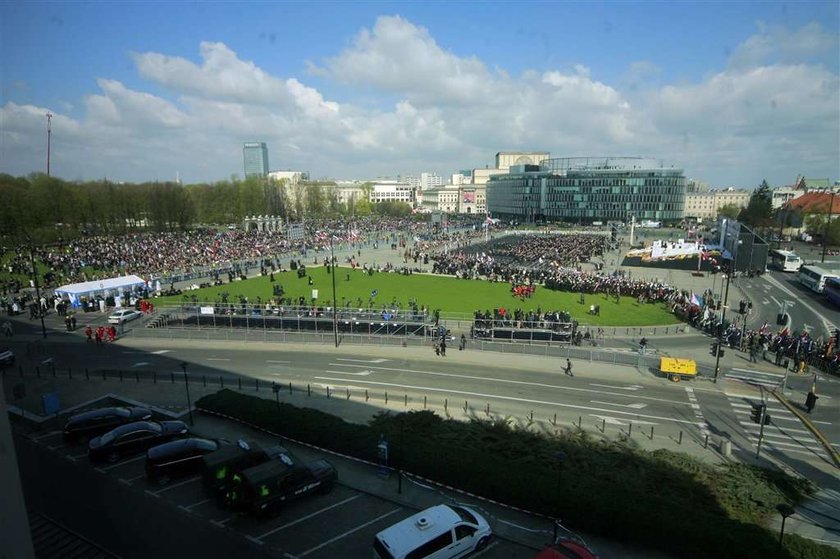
(341, 523)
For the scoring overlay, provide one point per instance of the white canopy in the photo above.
(105, 287)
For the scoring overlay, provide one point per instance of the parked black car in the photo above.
(134, 438)
(178, 458)
(264, 488)
(84, 426)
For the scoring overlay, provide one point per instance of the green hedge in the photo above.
(659, 499)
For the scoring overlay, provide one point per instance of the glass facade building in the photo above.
(587, 189)
(255, 155)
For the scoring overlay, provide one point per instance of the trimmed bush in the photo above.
(659, 499)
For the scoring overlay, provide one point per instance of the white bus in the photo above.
(814, 277)
(785, 260)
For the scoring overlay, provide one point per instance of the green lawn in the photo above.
(450, 295)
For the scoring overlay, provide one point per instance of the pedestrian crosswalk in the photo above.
(785, 432)
(756, 378)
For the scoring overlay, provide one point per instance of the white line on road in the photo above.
(631, 387)
(359, 374)
(537, 384)
(179, 484)
(512, 399)
(278, 362)
(308, 516)
(220, 523)
(141, 364)
(45, 435)
(123, 463)
(361, 360)
(348, 532)
(131, 480)
(74, 457)
(188, 507)
(161, 351)
(47, 360)
(217, 359)
(634, 406)
(826, 323)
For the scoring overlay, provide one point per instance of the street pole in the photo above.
(187, 384)
(827, 224)
(37, 288)
(720, 329)
(761, 422)
(49, 139)
(332, 266)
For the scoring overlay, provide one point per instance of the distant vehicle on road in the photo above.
(124, 315)
(134, 438)
(178, 458)
(83, 426)
(814, 277)
(6, 356)
(785, 260)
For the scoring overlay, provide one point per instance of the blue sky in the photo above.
(733, 92)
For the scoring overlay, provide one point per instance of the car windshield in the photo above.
(122, 412)
(465, 515)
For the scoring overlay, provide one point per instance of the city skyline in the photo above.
(731, 93)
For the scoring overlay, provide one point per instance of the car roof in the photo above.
(136, 426)
(266, 471)
(407, 534)
(174, 447)
(100, 413)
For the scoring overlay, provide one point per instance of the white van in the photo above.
(439, 532)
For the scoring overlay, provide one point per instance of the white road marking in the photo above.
(131, 480)
(45, 435)
(308, 516)
(360, 374)
(161, 351)
(511, 398)
(221, 523)
(217, 359)
(118, 464)
(701, 421)
(362, 360)
(188, 507)
(179, 484)
(537, 384)
(634, 406)
(631, 387)
(826, 323)
(348, 532)
(47, 360)
(278, 362)
(141, 364)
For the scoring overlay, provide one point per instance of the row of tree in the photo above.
(37, 202)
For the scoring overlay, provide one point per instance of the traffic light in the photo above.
(713, 349)
(757, 411)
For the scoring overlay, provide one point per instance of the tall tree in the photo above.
(760, 207)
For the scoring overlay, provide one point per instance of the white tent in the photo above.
(105, 287)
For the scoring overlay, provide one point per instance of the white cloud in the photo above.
(774, 44)
(751, 120)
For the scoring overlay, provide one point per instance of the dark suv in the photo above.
(218, 468)
(84, 426)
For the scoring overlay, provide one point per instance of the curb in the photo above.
(835, 456)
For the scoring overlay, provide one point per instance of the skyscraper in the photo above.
(255, 155)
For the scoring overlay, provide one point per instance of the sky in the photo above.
(732, 92)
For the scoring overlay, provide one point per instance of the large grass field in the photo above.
(450, 295)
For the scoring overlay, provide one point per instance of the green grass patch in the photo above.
(448, 294)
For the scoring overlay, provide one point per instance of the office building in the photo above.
(587, 189)
(255, 156)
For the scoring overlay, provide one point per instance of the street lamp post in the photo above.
(187, 384)
(720, 328)
(785, 510)
(35, 282)
(332, 266)
(827, 224)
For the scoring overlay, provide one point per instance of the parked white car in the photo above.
(124, 315)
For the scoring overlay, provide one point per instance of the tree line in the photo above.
(38, 203)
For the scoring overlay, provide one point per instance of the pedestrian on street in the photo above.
(89, 333)
(568, 370)
(443, 348)
(810, 400)
(463, 343)
(7, 329)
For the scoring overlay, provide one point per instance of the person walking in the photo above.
(810, 400)
(568, 369)
(89, 333)
(463, 343)
(443, 348)
(7, 329)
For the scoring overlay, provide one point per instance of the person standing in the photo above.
(568, 369)
(463, 343)
(443, 348)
